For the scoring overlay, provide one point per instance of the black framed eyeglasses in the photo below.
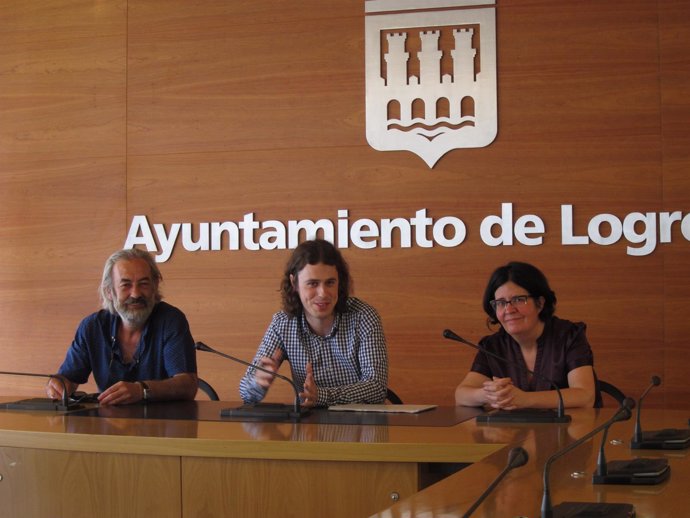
(516, 301)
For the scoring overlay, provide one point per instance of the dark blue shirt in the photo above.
(166, 348)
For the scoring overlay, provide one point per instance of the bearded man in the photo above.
(137, 347)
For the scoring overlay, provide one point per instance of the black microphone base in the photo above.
(591, 510)
(40, 403)
(265, 412)
(524, 415)
(666, 439)
(634, 472)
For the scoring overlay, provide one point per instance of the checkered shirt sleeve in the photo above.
(350, 364)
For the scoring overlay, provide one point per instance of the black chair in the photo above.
(208, 390)
(393, 398)
(613, 391)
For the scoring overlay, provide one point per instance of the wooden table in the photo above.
(118, 465)
(520, 493)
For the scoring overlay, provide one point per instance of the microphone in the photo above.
(260, 410)
(666, 439)
(566, 509)
(637, 433)
(42, 403)
(626, 472)
(525, 415)
(516, 457)
(639, 471)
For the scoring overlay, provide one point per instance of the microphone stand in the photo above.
(265, 411)
(41, 403)
(568, 509)
(516, 457)
(640, 471)
(526, 415)
(666, 439)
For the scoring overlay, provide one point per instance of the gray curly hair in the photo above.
(106, 288)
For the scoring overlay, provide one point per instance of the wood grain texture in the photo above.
(206, 111)
(675, 67)
(520, 493)
(313, 488)
(116, 430)
(334, 470)
(63, 71)
(42, 483)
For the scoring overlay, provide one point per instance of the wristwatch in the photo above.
(146, 390)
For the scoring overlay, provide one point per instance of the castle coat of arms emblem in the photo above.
(430, 75)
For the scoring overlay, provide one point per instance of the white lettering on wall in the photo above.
(524, 226)
(637, 228)
(643, 231)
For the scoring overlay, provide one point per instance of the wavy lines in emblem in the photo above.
(430, 131)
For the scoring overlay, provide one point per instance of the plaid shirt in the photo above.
(350, 363)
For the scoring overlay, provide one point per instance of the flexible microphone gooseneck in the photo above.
(41, 403)
(560, 416)
(516, 457)
(604, 509)
(639, 471)
(666, 439)
(256, 411)
(637, 433)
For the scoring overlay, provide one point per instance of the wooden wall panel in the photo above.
(238, 107)
(63, 78)
(570, 132)
(62, 173)
(675, 68)
(238, 77)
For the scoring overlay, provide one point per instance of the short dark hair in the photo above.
(526, 276)
(314, 252)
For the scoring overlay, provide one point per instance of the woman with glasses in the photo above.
(538, 347)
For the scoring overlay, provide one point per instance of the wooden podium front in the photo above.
(520, 493)
(186, 461)
(131, 461)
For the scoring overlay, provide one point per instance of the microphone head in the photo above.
(517, 457)
(447, 333)
(656, 381)
(625, 410)
(201, 346)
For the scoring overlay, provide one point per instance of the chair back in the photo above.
(393, 398)
(610, 389)
(208, 390)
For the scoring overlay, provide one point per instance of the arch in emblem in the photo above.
(467, 106)
(442, 107)
(394, 110)
(418, 109)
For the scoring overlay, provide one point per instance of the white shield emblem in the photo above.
(430, 75)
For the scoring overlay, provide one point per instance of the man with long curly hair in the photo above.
(334, 342)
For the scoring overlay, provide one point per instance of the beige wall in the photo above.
(205, 111)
